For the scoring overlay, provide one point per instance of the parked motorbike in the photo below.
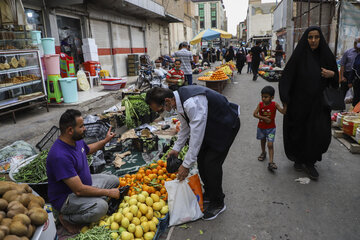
(145, 77)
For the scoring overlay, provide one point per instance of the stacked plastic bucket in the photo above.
(52, 64)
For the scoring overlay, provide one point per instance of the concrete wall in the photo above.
(121, 47)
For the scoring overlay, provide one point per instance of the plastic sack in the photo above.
(16, 152)
(349, 96)
(183, 205)
(195, 185)
(173, 164)
(114, 203)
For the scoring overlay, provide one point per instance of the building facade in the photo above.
(241, 32)
(211, 14)
(259, 21)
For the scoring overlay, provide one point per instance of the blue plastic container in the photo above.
(48, 45)
(36, 37)
(69, 89)
(163, 224)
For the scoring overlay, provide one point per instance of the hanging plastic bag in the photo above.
(173, 164)
(183, 205)
(195, 185)
(349, 96)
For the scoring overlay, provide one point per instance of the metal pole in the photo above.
(308, 13)
(320, 13)
(337, 28)
(300, 20)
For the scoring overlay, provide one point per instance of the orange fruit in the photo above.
(163, 182)
(141, 170)
(163, 190)
(147, 179)
(151, 190)
(145, 188)
(138, 176)
(155, 171)
(160, 172)
(127, 175)
(122, 183)
(173, 176)
(160, 163)
(152, 176)
(148, 171)
(158, 168)
(158, 193)
(168, 179)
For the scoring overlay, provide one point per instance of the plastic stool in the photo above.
(53, 87)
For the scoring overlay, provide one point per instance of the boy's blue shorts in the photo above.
(268, 134)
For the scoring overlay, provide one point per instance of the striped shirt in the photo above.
(174, 74)
(186, 57)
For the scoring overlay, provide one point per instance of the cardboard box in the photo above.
(91, 56)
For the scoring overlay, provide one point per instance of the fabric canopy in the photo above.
(210, 34)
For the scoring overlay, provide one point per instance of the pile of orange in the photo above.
(218, 76)
(151, 179)
(204, 78)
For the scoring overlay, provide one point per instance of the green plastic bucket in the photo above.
(48, 45)
(36, 37)
(69, 89)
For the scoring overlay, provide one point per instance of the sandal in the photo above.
(272, 166)
(262, 156)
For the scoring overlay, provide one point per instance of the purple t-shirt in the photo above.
(66, 161)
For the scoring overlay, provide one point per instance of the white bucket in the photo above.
(357, 136)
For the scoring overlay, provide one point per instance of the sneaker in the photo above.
(312, 172)
(298, 166)
(213, 211)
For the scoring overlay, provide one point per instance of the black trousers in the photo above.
(255, 67)
(356, 88)
(210, 169)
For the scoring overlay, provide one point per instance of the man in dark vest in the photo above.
(213, 123)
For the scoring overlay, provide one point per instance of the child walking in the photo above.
(266, 112)
(248, 61)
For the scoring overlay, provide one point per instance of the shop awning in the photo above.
(145, 8)
(172, 19)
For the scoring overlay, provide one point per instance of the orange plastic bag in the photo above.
(195, 185)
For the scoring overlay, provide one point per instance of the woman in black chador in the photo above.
(307, 124)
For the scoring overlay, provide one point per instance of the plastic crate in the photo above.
(48, 140)
(95, 132)
(163, 224)
(138, 144)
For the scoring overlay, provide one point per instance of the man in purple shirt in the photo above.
(79, 196)
(346, 66)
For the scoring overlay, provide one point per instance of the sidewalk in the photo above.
(33, 123)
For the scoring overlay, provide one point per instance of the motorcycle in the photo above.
(145, 77)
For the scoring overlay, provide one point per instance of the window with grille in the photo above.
(213, 15)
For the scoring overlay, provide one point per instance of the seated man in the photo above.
(175, 77)
(79, 196)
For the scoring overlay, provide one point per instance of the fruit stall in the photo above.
(269, 73)
(137, 155)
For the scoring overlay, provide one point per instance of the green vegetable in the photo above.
(35, 171)
(96, 233)
(135, 108)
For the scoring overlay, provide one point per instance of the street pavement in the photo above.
(263, 205)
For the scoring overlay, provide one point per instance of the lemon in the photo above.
(121, 229)
(139, 214)
(157, 214)
(131, 228)
(152, 226)
(84, 229)
(133, 201)
(114, 235)
(102, 223)
(145, 226)
(141, 198)
(155, 220)
(143, 219)
(136, 221)
(126, 235)
(125, 222)
(129, 216)
(146, 194)
(118, 217)
(114, 226)
(157, 206)
(126, 198)
(164, 210)
(150, 214)
(121, 205)
(125, 210)
(163, 203)
(143, 208)
(149, 201)
(111, 219)
(134, 210)
(138, 204)
(155, 197)
(147, 236)
(138, 232)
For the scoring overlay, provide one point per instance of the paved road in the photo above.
(264, 206)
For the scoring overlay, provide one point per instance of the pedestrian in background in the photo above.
(257, 54)
(278, 54)
(240, 60)
(354, 80)
(218, 52)
(205, 57)
(186, 57)
(229, 54)
(307, 123)
(248, 61)
(346, 63)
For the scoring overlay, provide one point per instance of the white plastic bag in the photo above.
(183, 205)
(349, 96)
